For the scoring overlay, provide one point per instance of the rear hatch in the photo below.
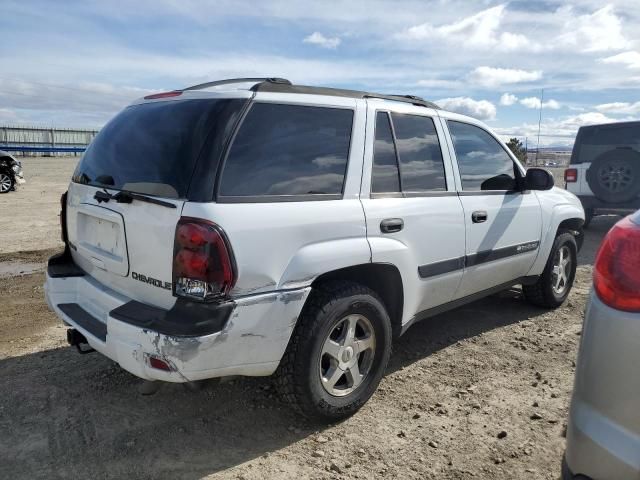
(146, 157)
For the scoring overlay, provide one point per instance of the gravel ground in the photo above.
(479, 392)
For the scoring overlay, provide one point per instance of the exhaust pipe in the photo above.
(76, 339)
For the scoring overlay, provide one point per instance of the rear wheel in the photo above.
(6, 182)
(554, 285)
(338, 352)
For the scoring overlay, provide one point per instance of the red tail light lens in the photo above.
(203, 265)
(571, 175)
(616, 275)
(155, 96)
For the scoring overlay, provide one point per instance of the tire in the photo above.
(6, 182)
(588, 216)
(614, 177)
(306, 377)
(543, 293)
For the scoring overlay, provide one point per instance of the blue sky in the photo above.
(68, 63)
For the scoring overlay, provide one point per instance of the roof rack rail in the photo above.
(282, 81)
(281, 87)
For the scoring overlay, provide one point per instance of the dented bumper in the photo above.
(251, 341)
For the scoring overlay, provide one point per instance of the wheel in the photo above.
(554, 285)
(588, 216)
(614, 176)
(6, 182)
(337, 353)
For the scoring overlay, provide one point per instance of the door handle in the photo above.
(479, 216)
(391, 225)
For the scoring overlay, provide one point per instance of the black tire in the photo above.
(588, 216)
(614, 177)
(4, 177)
(300, 371)
(542, 293)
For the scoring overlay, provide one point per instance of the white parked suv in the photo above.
(252, 227)
(605, 168)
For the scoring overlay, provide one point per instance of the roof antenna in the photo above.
(539, 122)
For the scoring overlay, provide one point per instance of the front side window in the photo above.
(288, 150)
(482, 162)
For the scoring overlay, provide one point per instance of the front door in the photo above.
(503, 224)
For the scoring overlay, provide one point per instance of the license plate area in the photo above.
(101, 238)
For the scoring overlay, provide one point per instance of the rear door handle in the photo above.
(391, 225)
(479, 216)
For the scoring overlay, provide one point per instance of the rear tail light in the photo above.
(63, 217)
(203, 264)
(158, 363)
(616, 275)
(174, 93)
(571, 175)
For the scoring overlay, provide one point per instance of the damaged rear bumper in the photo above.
(252, 336)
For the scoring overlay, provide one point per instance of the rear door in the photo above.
(503, 224)
(151, 149)
(414, 216)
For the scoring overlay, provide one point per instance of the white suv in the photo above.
(252, 227)
(605, 168)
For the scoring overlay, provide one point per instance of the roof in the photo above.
(282, 85)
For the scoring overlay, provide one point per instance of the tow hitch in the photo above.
(76, 339)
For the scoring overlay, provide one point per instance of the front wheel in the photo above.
(554, 285)
(337, 353)
(6, 182)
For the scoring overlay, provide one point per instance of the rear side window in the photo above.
(482, 162)
(593, 141)
(288, 150)
(421, 165)
(385, 177)
(152, 148)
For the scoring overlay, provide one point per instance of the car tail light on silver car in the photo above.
(203, 264)
(616, 275)
(571, 175)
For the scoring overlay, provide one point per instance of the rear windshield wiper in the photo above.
(124, 196)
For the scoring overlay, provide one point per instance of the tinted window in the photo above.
(288, 150)
(482, 162)
(152, 148)
(593, 141)
(421, 166)
(385, 164)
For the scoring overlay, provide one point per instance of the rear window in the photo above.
(593, 141)
(288, 150)
(152, 148)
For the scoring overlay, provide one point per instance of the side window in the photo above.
(482, 162)
(288, 150)
(385, 177)
(421, 165)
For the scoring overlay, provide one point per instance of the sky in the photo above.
(77, 63)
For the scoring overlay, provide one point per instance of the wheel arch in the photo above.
(383, 278)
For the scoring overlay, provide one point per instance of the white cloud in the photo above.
(620, 108)
(480, 109)
(599, 31)
(534, 102)
(479, 31)
(508, 99)
(319, 39)
(629, 59)
(493, 77)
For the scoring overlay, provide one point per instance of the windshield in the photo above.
(593, 141)
(151, 148)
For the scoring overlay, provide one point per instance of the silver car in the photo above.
(603, 435)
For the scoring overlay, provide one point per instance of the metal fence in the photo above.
(38, 141)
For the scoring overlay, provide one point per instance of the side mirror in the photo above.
(538, 179)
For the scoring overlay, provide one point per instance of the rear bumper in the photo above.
(603, 433)
(589, 201)
(251, 342)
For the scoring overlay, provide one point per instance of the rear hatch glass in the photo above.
(151, 148)
(592, 141)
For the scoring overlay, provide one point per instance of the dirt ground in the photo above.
(479, 392)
